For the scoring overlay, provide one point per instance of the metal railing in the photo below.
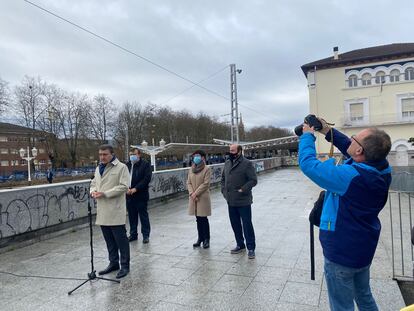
(401, 223)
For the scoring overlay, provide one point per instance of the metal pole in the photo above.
(411, 226)
(392, 239)
(28, 165)
(401, 233)
(234, 105)
(126, 143)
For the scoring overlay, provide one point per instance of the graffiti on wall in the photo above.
(28, 210)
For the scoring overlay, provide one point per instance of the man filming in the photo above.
(356, 192)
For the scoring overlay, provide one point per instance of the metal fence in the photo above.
(400, 211)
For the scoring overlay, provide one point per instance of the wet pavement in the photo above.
(168, 274)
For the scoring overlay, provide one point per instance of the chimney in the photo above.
(335, 50)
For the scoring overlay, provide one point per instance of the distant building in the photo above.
(12, 139)
(367, 87)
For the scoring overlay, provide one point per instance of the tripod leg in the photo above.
(116, 281)
(77, 287)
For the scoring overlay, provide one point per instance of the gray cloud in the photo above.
(269, 40)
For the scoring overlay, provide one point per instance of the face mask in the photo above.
(133, 158)
(232, 156)
(197, 160)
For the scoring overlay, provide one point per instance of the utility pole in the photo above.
(234, 104)
(126, 141)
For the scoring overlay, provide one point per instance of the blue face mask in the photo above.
(133, 158)
(197, 160)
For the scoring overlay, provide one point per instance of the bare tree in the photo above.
(49, 121)
(101, 117)
(29, 101)
(4, 95)
(72, 116)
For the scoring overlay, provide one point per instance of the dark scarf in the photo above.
(198, 168)
(102, 166)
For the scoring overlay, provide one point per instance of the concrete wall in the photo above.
(31, 209)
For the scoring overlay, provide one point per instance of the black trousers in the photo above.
(203, 228)
(135, 209)
(239, 215)
(117, 244)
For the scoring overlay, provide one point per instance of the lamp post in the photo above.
(153, 151)
(28, 158)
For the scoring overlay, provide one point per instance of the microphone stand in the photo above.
(92, 274)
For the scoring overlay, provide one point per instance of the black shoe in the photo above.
(121, 273)
(198, 243)
(206, 243)
(132, 238)
(145, 240)
(251, 254)
(110, 268)
(237, 249)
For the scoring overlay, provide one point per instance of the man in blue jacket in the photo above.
(356, 192)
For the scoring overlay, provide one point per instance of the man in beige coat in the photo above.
(108, 188)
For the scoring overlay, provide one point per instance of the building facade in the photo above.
(364, 88)
(12, 139)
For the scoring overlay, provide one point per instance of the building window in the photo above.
(14, 163)
(4, 163)
(356, 112)
(366, 79)
(23, 162)
(353, 81)
(41, 151)
(407, 108)
(394, 75)
(14, 151)
(409, 73)
(3, 138)
(4, 151)
(42, 161)
(380, 77)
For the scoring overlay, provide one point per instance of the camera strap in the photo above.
(332, 144)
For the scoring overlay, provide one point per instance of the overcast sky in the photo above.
(268, 40)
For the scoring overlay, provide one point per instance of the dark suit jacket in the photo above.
(141, 177)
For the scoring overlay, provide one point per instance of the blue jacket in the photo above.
(356, 193)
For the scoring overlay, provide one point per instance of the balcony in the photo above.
(376, 120)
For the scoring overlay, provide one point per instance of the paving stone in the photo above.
(301, 293)
(168, 274)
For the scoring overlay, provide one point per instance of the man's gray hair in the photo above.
(376, 145)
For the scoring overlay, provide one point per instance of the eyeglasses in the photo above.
(353, 137)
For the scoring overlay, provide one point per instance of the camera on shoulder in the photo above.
(310, 120)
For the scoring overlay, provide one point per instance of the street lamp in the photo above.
(28, 159)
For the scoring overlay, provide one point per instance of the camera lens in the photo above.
(299, 130)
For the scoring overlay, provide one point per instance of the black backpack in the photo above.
(316, 212)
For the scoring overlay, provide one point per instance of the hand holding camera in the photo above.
(312, 121)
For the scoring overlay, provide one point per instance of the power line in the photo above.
(141, 57)
(123, 48)
(199, 82)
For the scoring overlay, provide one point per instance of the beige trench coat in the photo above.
(111, 208)
(200, 184)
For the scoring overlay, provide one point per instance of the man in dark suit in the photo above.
(137, 196)
(237, 180)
